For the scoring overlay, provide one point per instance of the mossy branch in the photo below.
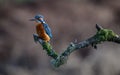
(102, 35)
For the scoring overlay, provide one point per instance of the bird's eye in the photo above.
(37, 17)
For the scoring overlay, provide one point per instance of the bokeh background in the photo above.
(69, 20)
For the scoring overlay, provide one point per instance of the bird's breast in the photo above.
(41, 32)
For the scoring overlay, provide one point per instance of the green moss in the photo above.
(105, 35)
(47, 46)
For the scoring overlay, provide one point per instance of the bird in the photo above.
(42, 28)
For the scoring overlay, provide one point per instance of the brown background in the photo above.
(69, 20)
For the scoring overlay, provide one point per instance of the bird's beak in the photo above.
(32, 19)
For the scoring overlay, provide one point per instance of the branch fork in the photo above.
(101, 35)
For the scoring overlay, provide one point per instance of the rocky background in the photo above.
(69, 20)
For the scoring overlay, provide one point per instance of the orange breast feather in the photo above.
(41, 32)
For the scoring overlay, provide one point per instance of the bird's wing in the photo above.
(47, 29)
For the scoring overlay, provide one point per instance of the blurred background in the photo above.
(69, 20)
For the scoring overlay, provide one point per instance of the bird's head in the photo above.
(38, 18)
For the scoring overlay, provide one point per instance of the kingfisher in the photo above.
(42, 28)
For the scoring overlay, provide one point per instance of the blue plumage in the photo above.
(45, 25)
(39, 16)
(47, 29)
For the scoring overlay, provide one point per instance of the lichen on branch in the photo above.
(101, 35)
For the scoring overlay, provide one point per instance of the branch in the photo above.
(102, 35)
